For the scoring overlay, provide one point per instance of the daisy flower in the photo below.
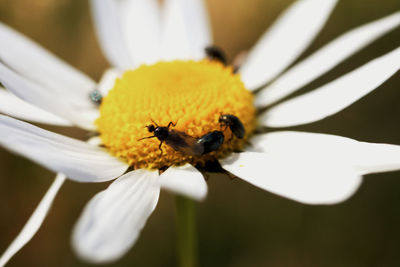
(161, 75)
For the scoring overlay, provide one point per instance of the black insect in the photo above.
(179, 141)
(211, 141)
(215, 53)
(233, 123)
(96, 96)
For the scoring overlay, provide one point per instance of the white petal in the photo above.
(34, 222)
(141, 28)
(300, 176)
(129, 31)
(95, 141)
(107, 81)
(175, 39)
(186, 30)
(184, 180)
(111, 222)
(13, 106)
(287, 38)
(34, 62)
(374, 158)
(108, 26)
(325, 59)
(363, 157)
(58, 102)
(76, 159)
(334, 96)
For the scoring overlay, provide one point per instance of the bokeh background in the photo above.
(239, 225)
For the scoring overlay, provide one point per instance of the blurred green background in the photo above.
(239, 225)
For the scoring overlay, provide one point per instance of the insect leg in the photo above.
(171, 123)
(224, 124)
(159, 147)
(147, 137)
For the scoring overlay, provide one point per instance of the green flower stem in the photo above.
(186, 230)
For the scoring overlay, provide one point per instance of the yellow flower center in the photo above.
(192, 94)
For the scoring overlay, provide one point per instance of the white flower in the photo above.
(306, 167)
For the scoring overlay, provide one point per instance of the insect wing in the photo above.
(237, 127)
(184, 143)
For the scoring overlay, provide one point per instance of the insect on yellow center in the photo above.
(191, 94)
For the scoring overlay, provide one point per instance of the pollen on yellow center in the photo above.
(192, 94)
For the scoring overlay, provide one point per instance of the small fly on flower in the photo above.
(215, 53)
(234, 123)
(178, 140)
